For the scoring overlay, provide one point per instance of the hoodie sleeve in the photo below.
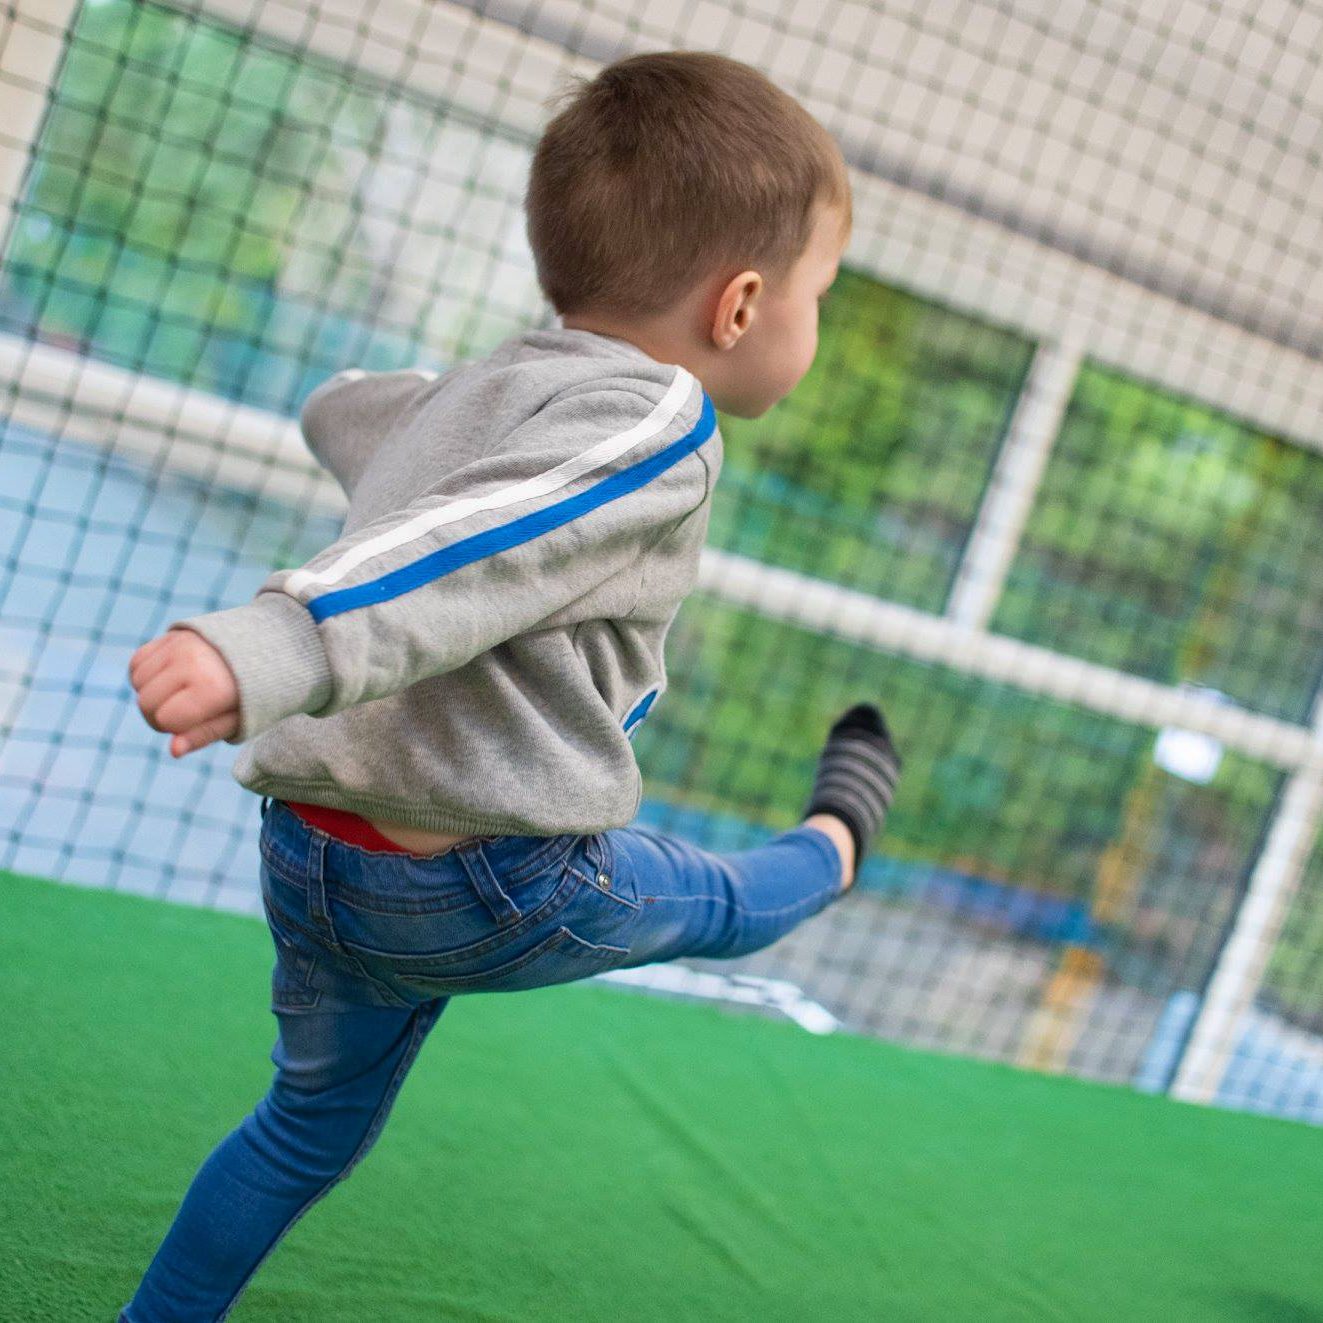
(347, 417)
(577, 495)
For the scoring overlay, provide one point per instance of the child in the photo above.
(437, 709)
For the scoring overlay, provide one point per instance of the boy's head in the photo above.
(684, 202)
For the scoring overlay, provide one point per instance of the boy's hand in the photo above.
(185, 686)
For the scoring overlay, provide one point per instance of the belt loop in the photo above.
(318, 912)
(596, 854)
(266, 804)
(503, 909)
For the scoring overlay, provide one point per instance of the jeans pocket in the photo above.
(561, 957)
(441, 942)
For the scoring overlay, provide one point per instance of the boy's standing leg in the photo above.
(338, 1073)
(339, 1067)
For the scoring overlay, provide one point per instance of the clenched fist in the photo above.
(185, 687)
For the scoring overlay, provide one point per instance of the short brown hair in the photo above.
(667, 166)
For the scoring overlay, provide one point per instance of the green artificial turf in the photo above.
(589, 1153)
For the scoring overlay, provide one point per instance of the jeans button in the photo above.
(604, 882)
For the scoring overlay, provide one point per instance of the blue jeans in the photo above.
(370, 947)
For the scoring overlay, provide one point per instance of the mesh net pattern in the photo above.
(1052, 492)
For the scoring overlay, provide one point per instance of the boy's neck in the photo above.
(660, 347)
(666, 339)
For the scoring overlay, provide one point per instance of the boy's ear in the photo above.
(735, 308)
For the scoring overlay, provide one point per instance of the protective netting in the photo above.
(1052, 493)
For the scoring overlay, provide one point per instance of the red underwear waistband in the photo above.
(344, 826)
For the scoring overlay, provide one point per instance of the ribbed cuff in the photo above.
(273, 647)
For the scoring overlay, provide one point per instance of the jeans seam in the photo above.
(828, 849)
(753, 914)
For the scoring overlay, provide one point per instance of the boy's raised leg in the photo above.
(696, 902)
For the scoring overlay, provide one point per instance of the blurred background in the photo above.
(1052, 493)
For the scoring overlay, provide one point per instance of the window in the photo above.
(871, 471)
(1177, 543)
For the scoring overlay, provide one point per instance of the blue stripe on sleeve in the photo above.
(446, 560)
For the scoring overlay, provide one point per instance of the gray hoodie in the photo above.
(476, 651)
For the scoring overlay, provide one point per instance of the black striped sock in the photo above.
(857, 775)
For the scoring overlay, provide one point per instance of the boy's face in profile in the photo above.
(777, 349)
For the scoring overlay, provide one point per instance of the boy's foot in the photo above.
(856, 778)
